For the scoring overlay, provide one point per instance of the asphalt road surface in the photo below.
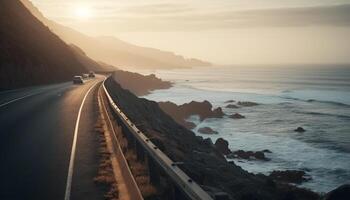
(38, 128)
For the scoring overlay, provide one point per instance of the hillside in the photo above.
(89, 63)
(114, 51)
(29, 52)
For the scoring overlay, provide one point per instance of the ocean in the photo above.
(315, 98)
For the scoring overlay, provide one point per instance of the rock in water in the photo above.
(260, 155)
(222, 146)
(290, 176)
(236, 116)
(181, 112)
(300, 130)
(247, 103)
(207, 130)
(217, 113)
(232, 106)
(247, 155)
(240, 154)
(189, 125)
(340, 193)
(230, 101)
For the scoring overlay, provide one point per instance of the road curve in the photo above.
(37, 127)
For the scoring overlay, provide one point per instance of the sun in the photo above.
(83, 12)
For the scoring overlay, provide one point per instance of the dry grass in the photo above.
(148, 190)
(139, 170)
(140, 173)
(105, 175)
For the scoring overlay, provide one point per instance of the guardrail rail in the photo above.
(157, 159)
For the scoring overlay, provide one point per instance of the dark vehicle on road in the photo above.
(91, 74)
(78, 80)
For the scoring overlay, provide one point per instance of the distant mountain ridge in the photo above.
(114, 51)
(30, 53)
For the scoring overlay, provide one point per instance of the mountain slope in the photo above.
(114, 51)
(89, 63)
(29, 52)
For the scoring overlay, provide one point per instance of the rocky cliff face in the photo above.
(202, 161)
(29, 52)
(139, 84)
(181, 112)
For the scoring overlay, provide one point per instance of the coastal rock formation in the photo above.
(247, 103)
(247, 155)
(236, 116)
(207, 130)
(290, 176)
(232, 106)
(340, 193)
(201, 161)
(230, 101)
(222, 146)
(189, 125)
(300, 130)
(180, 113)
(139, 84)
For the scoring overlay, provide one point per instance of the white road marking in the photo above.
(72, 156)
(14, 100)
(9, 91)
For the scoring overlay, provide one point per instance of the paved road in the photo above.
(37, 128)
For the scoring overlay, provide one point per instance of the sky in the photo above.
(220, 31)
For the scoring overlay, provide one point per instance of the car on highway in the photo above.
(85, 76)
(78, 80)
(91, 74)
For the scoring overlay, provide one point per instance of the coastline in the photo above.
(202, 161)
(271, 126)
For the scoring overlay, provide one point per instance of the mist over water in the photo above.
(317, 99)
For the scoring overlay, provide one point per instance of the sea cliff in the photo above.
(140, 84)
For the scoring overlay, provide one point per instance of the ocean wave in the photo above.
(317, 101)
(323, 114)
(287, 91)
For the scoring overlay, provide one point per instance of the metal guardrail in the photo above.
(129, 180)
(191, 189)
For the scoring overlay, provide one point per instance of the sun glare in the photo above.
(83, 12)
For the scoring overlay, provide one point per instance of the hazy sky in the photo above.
(221, 31)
